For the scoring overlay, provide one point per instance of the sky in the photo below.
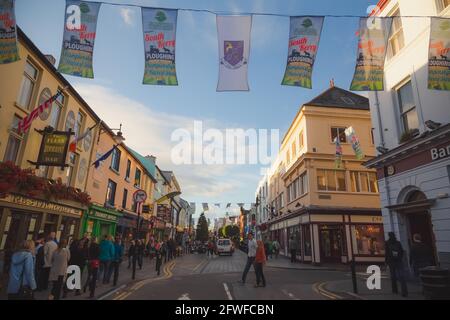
(150, 114)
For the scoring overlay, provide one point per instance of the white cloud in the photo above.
(127, 15)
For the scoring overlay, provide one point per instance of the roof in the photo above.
(148, 164)
(162, 175)
(167, 175)
(336, 97)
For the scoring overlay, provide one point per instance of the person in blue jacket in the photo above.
(22, 282)
(106, 256)
(117, 260)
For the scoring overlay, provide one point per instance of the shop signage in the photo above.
(53, 150)
(43, 205)
(103, 216)
(163, 212)
(146, 208)
(440, 153)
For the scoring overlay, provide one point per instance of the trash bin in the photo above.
(436, 283)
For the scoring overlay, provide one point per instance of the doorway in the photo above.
(330, 243)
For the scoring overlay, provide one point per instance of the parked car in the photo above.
(224, 246)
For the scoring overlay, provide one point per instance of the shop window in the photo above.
(14, 141)
(111, 192)
(408, 112)
(137, 178)
(368, 239)
(27, 86)
(307, 240)
(128, 172)
(396, 37)
(115, 159)
(338, 132)
(331, 180)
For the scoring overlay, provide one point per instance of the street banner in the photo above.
(372, 44)
(228, 205)
(351, 136)
(25, 124)
(205, 207)
(9, 51)
(234, 48)
(217, 205)
(80, 24)
(439, 54)
(159, 26)
(304, 37)
(338, 158)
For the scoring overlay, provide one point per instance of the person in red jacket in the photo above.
(260, 260)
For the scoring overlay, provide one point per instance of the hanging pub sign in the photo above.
(372, 44)
(160, 26)
(80, 25)
(439, 54)
(304, 36)
(163, 212)
(54, 148)
(9, 51)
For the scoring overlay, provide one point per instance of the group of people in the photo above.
(43, 264)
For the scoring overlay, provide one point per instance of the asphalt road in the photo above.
(198, 277)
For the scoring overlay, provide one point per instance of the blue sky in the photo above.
(150, 113)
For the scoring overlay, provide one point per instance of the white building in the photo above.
(413, 164)
(261, 207)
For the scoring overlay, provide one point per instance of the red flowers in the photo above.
(14, 179)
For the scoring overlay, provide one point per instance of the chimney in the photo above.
(151, 158)
(51, 58)
(332, 83)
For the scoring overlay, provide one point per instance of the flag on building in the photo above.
(205, 206)
(439, 54)
(234, 49)
(73, 144)
(351, 136)
(228, 205)
(9, 51)
(80, 25)
(338, 158)
(103, 157)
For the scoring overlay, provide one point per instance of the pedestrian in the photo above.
(131, 253)
(293, 248)
(421, 255)
(115, 263)
(78, 256)
(93, 266)
(276, 248)
(394, 259)
(106, 256)
(260, 260)
(140, 247)
(50, 247)
(251, 254)
(159, 253)
(40, 261)
(60, 262)
(22, 281)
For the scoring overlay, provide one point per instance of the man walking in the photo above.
(421, 255)
(394, 259)
(50, 247)
(116, 261)
(251, 254)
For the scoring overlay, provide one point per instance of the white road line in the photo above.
(184, 296)
(227, 291)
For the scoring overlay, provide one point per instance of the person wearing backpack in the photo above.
(21, 274)
(394, 259)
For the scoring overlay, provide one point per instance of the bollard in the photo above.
(353, 269)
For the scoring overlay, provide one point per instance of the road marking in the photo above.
(112, 292)
(227, 292)
(290, 295)
(202, 262)
(319, 288)
(184, 296)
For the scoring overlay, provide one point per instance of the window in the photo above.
(331, 180)
(127, 174)
(115, 159)
(300, 140)
(441, 5)
(71, 168)
(111, 192)
(304, 178)
(338, 132)
(29, 79)
(294, 150)
(396, 38)
(363, 181)
(14, 140)
(282, 200)
(137, 178)
(288, 157)
(56, 111)
(368, 239)
(124, 199)
(407, 106)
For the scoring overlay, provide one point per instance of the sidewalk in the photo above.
(147, 272)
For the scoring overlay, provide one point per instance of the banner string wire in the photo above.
(257, 13)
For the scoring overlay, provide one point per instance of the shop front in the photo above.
(126, 226)
(99, 221)
(158, 229)
(24, 218)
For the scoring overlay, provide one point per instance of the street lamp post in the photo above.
(139, 197)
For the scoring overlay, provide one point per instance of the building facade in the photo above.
(412, 133)
(331, 213)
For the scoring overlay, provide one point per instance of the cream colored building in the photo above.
(332, 214)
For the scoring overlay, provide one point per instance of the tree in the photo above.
(232, 231)
(202, 228)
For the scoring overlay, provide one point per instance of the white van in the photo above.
(224, 246)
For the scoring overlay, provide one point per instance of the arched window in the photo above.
(416, 196)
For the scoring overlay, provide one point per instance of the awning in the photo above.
(413, 206)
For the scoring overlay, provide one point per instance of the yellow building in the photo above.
(24, 85)
(332, 214)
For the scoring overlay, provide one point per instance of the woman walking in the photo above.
(260, 260)
(93, 265)
(21, 273)
(60, 262)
